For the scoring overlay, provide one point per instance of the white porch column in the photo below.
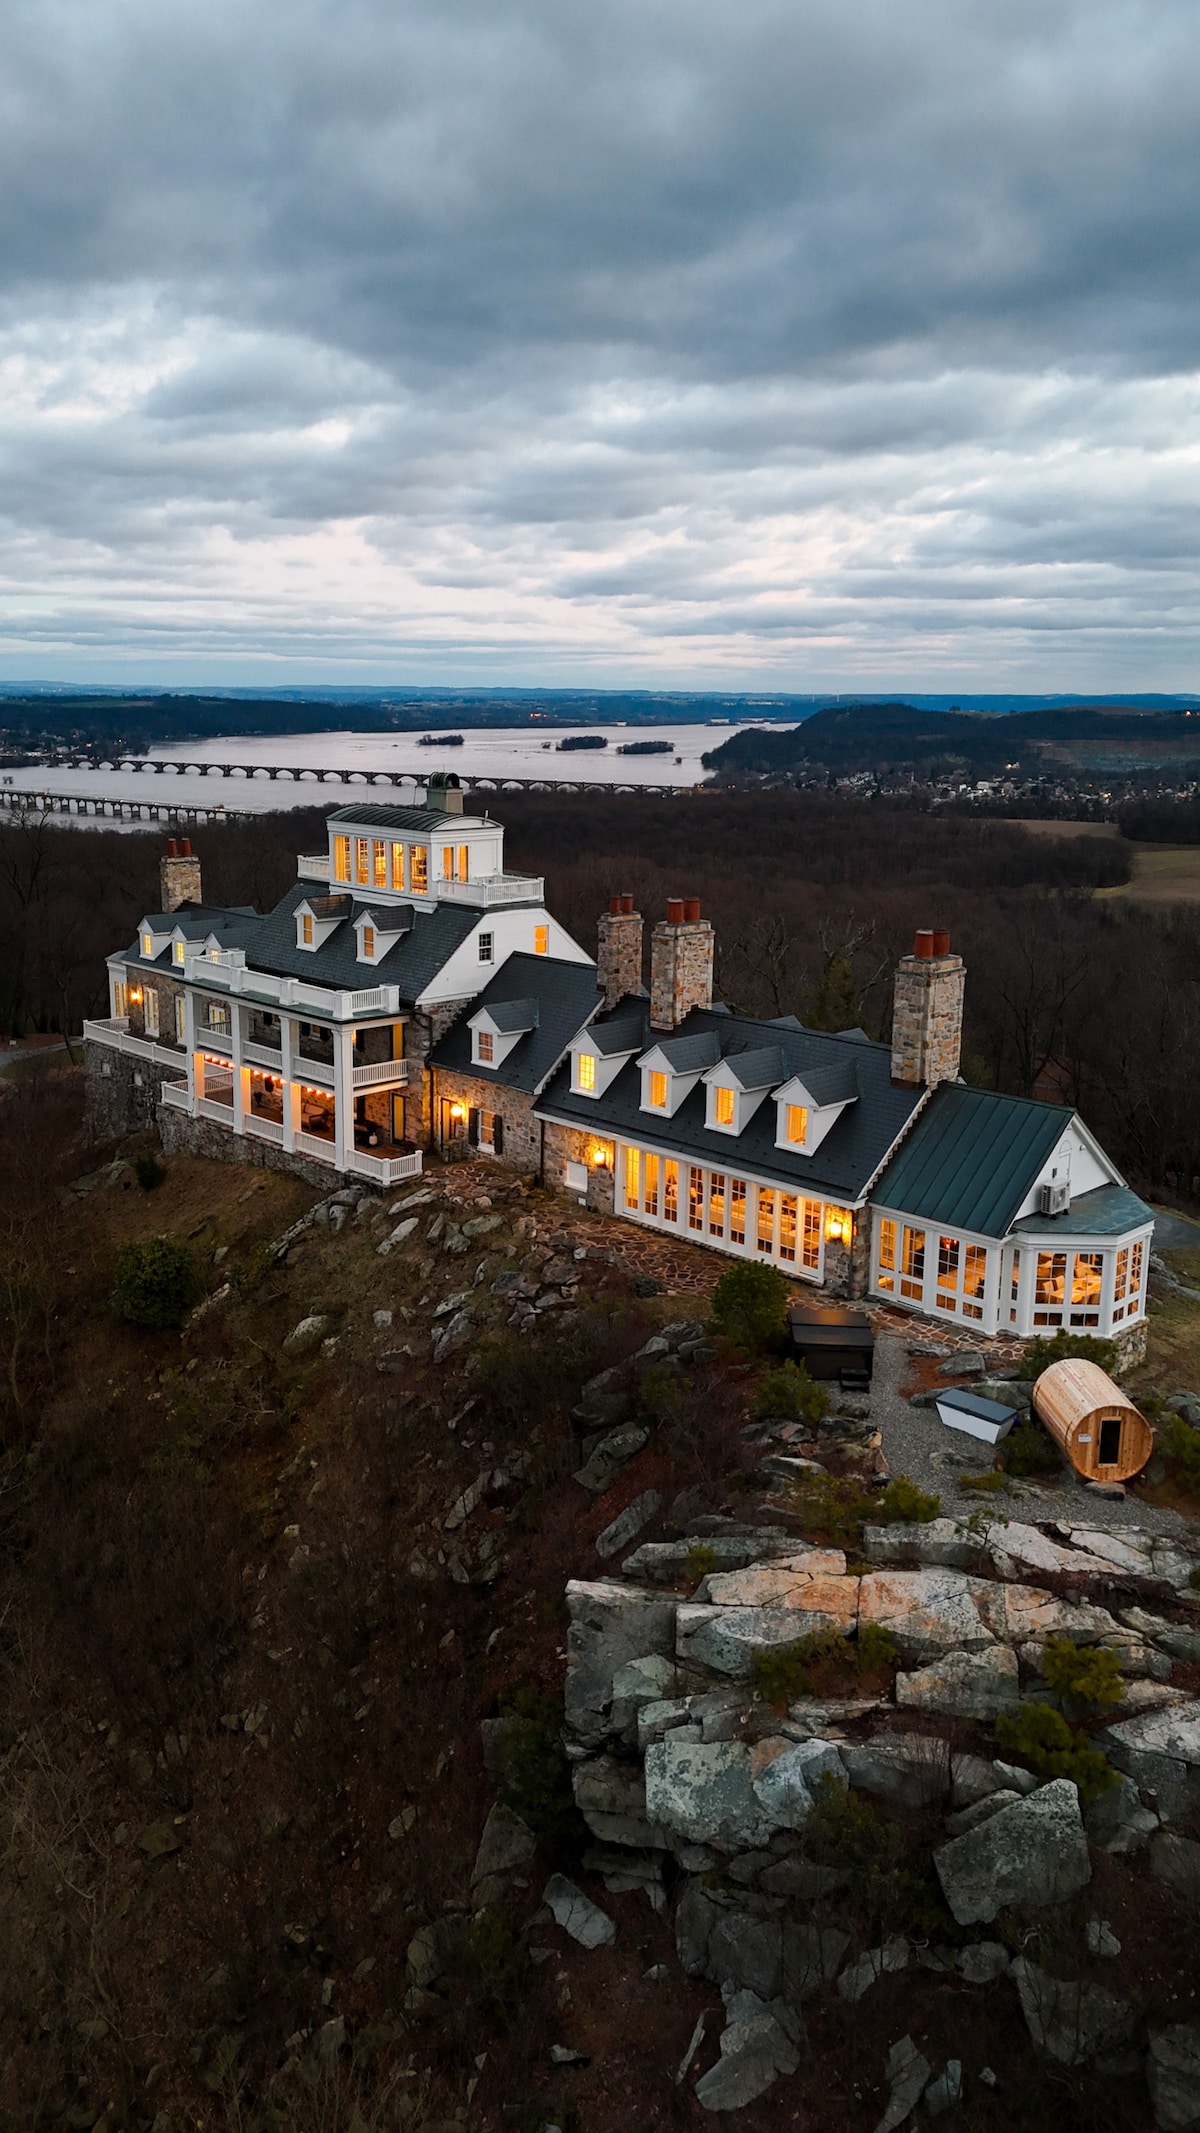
(291, 1092)
(189, 1040)
(343, 1056)
(241, 1074)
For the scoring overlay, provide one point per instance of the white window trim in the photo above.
(795, 1270)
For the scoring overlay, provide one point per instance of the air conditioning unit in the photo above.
(1054, 1199)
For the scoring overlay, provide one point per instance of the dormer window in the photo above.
(148, 945)
(485, 1047)
(724, 1107)
(306, 923)
(180, 952)
(809, 1106)
(656, 1091)
(368, 944)
(795, 1124)
(585, 1073)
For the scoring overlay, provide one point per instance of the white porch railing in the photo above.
(306, 1070)
(495, 889)
(312, 866)
(263, 1055)
(381, 1074)
(221, 1114)
(264, 1129)
(177, 1095)
(115, 1031)
(228, 971)
(311, 1144)
(386, 1169)
(209, 1039)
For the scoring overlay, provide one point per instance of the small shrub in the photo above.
(535, 1773)
(792, 1392)
(659, 1395)
(1179, 1444)
(833, 1507)
(876, 1648)
(701, 1561)
(1083, 1346)
(1083, 1675)
(988, 1484)
(806, 1668)
(904, 1504)
(148, 1171)
(1040, 1737)
(749, 1307)
(1029, 1449)
(156, 1282)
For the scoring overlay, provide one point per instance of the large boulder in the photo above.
(964, 1685)
(672, 1562)
(1034, 1852)
(1069, 2020)
(746, 1950)
(760, 2041)
(1160, 1751)
(908, 1769)
(927, 1612)
(941, 1543)
(726, 1639)
(1117, 1821)
(779, 1584)
(1173, 2077)
(788, 1787)
(610, 1624)
(704, 1793)
(577, 1914)
(1023, 1614)
(1176, 1860)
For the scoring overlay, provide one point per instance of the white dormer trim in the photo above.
(675, 1087)
(595, 1079)
(819, 1119)
(721, 1078)
(150, 943)
(321, 928)
(502, 1041)
(373, 939)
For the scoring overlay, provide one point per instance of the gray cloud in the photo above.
(535, 340)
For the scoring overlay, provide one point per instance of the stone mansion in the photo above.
(409, 994)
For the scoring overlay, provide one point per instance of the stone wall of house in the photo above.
(121, 1093)
(202, 1137)
(522, 1138)
(169, 989)
(574, 1144)
(848, 1267)
(426, 1028)
(927, 1019)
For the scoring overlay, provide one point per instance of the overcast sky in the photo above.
(809, 343)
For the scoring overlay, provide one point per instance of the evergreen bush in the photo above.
(1087, 1676)
(1029, 1449)
(904, 1504)
(1081, 1347)
(157, 1281)
(790, 1391)
(1040, 1737)
(749, 1307)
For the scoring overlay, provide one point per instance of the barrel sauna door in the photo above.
(1110, 1441)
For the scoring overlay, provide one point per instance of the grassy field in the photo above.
(1162, 873)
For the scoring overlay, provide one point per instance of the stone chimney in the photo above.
(681, 963)
(179, 875)
(927, 1013)
(619, 954)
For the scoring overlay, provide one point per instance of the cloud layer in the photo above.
(810, 344)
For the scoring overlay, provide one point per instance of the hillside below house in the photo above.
(293, 1598)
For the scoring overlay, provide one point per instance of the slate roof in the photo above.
(840, 1169)
(565, 994)
(972, 1159)
(1106, 1211)
(232, 929)
(625, 1033)
(762, 1068)
(689, 1054)
(836, 1083)
(509, 1016)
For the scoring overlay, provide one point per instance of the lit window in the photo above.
(447, 862)
(797, 1125)
(308, 929)
(380, 864)
(650, 1174)
(487, 943)
(695, 1198)
(1135, 1273)
(947, 1273)
(397, 866)
(180, 951)
(148, 944)
(811, 1253)
(886, 1277)
(723, 1106)
(716, 1204)
(670, 1190)
(912, 1265)
(368, 941)
(766, 1221)
(737, 1210)
(485, 1046)
(1050, 1288)
(974, 1280)
(585, 1072)
(180, 1019)
(632, 1174)
(341, 859)
(1120, 1281)
(1085, 1289)
(362, 860)
(541, 940)
(658, 1092)
(418, 870)
(151, 1012)
(787, 1226)
(464, 862)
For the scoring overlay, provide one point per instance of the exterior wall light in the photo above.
(458, 1110)
(839, 1225)
(600, 1157)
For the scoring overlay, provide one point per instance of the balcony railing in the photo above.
(221, 1114)
(264, 1129)
(386, 1169)
(312, 1144)
(263, 1055)
(312, 866)
(381, 1074)
(211, 1039)
(495, 889)
(318, 1070)
(115, 1031)
(228, 970)
(177, 1095)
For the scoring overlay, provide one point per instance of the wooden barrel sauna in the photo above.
(1097, 1425)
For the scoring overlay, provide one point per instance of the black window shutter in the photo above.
(473, 1128)
(498, 1133)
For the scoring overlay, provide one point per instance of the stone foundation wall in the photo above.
(571, 1144)
(522, 1139)
(121, 1093)
(201, 1137)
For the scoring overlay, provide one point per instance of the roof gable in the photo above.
(972, 1158)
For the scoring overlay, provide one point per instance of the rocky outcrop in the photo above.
(1034, 1852)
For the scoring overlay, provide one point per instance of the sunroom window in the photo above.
(1050, 1288)
(1085, 1288)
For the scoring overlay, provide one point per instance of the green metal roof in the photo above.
(1106, 1211)
(971, 1159)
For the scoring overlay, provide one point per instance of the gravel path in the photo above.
(916, 1443)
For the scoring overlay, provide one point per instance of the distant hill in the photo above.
(899, 737)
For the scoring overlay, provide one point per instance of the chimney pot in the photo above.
(172, 848)
(674, 910)
(941, 941)
(923, 944)
(691, 909)
(626, 904)
(186, 847)
(615, 904)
